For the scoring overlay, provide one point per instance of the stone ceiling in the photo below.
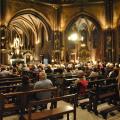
(66, 1)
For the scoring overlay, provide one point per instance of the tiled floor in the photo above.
(81, 115)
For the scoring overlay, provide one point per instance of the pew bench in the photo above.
(10, 79)
(7, 107)
(8, 82)
(9, 104)
(106, 111)
(103, 94)
(53, 112)
(7, 89)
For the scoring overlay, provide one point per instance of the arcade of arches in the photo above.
(69, 31)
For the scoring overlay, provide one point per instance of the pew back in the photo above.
(19, 100)
(54, 111)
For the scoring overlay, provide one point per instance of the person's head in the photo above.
(25, 80)
(14, 70)
(3, 68)
(81, 74)
(95, 69)
(42, 75)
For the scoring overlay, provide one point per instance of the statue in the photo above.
(16, 43)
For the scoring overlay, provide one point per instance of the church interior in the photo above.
(59, 54)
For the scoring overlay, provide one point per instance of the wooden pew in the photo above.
(105, 112)
(23, 97)
(9, 84)
(9, 76)
(93, 85)
(84, 100)
(53, 112)
(101, 82)
(10, 79)
(6, 105)
(107, 93)
(3, 83)
(1, 106)
(8, 89)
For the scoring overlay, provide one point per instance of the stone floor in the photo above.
(82, 114)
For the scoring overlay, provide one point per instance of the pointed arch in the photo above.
(83, 15)
(37, 14)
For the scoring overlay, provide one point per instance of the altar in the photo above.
(17, 61)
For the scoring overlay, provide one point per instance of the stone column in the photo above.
(3, 8)
(109, 33)
(37, 50)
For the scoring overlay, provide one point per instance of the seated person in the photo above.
(82, 83)
(48, 69)
(25, 86)
(113, 73)
(43, 83)
(4, 72)
(94, 74)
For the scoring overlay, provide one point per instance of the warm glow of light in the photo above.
(11, 46)
(105, 27)
(62, 25)
(77, 61)
(82, 38)
(94, 62)
(10, 61)
(116, 17)
(72, 61)
(21, 45)
(31, 57)
(8, 17)
(52, 60)
(83, 45)
(3, 37)
(37, 42)
(17, 51)
(73, 37)
(119, 65)
(93, 53)
(103, 22)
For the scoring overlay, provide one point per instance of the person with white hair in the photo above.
(43, 83)
(4, 72)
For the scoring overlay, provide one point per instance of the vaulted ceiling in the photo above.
(66, 1)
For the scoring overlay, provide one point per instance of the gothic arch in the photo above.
(29, 23)
(82, 15)
(96, 23)
(37, 14)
